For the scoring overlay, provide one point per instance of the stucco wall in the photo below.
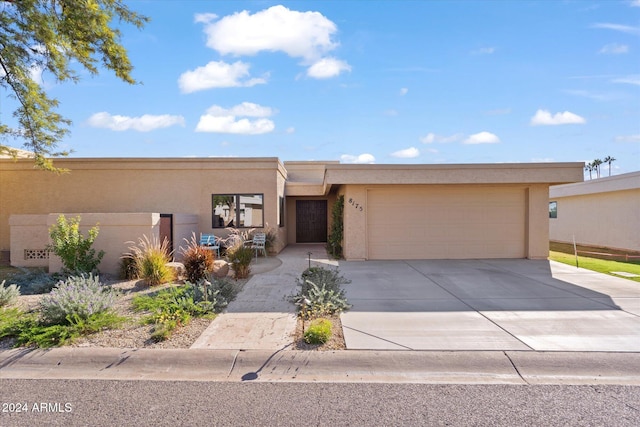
(115, 230)
(137, 185)
(610, 219)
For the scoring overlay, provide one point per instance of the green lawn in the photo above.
(599, 265)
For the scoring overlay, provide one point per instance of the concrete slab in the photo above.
(594, 330)
(487, 305)
(630, 305)
(452, 330)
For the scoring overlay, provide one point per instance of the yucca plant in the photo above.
(151, 257)
(198, 261)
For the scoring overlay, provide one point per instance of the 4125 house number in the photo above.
(356, 205)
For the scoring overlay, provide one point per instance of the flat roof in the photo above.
(622, 182)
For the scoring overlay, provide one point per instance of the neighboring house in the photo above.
(603, 212)
(390, 212)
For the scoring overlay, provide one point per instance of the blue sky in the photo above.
(375, 81)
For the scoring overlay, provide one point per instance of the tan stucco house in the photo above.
(603, 212)
(390, 212)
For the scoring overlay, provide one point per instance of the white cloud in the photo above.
(299, 34)
(618, 27)
(217, 74)
(327, 67)
(362, 158)
(431, 138)
(204, 18)
(544, 118)
(221, 120)
(305, 35)
(143, 123)
(290, 130)
(407, 153)
(634, 3)
(482, 138)
(632, 80)
(404, 91)
(614, 49)
(484, 51)
(628, 138)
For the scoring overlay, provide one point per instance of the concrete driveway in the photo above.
(488, 305)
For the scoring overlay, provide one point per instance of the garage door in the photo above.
(436, 222)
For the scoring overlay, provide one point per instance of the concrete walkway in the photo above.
(261, 317)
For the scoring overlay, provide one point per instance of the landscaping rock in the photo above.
(178, 269)
(220, 269)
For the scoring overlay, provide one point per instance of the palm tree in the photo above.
(608, 160)
(589, 168)
(596, 166)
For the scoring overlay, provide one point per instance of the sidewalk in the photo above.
(355, 366)
(261, 317)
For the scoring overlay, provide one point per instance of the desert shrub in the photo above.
(198, 262)
(240, 259)
(8, 294)
(318, 332)
(33, 281)
(271, 239)
(212, 296)
(334, 239)
(78, 298)
(239, 254)
(128, 268)
(328, 278)
(321, 293)
(73, 248)
(320, 301)
(151, 257)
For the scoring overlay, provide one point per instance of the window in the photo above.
(553, 209)
(237, 210)
(281, 211)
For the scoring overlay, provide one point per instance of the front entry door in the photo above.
(166, 229)
(311, 221)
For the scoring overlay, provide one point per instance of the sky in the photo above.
(369, 82)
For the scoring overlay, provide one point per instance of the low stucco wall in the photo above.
(31, 232)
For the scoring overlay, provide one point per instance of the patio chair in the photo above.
(210, 242)
(259, 243)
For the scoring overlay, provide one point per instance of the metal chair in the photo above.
(210, 242)
(259, 243)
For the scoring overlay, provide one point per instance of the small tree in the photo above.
(75, 251)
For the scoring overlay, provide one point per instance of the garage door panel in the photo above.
(446, 222)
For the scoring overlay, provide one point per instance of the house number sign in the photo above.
(356, 205)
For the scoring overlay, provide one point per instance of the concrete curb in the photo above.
(428, 367)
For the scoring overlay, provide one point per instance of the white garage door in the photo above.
(436, 222)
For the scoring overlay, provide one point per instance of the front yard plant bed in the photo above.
(336, 342)
(133, 331)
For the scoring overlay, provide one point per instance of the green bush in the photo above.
(321, 293)
(33, 281)
(198, 262)
(328, 278)
(240, 258)
(318, 332)
(75, 251)
(151, 257)
(128, 268)
(8, 294)
(78, 298)
(29, 331)
(334, 239)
